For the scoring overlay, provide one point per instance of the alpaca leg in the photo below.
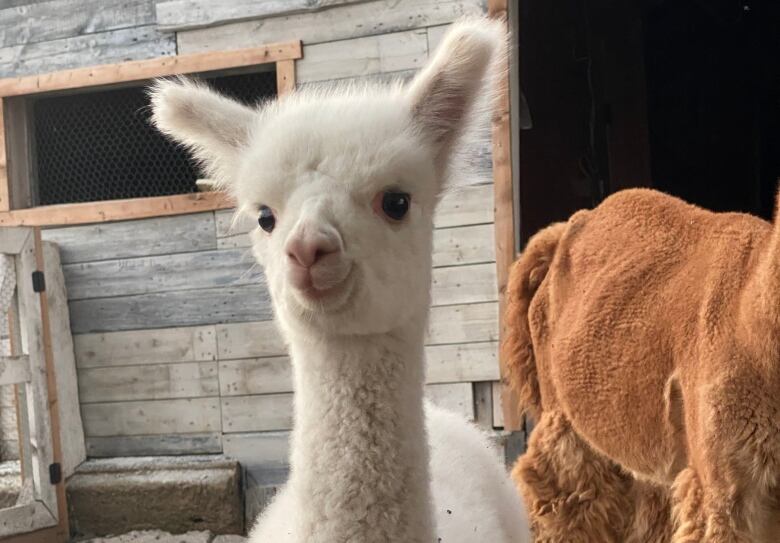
(572, 494)
(652, 520)
(688, 508)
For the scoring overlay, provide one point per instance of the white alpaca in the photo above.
(345, 183)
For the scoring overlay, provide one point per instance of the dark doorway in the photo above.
(679, 95)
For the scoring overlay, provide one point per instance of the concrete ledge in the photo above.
(174, 494)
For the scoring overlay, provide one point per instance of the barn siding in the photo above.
(175, 347)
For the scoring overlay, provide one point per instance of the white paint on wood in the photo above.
(435, 35)
(184, 14)
(455, 397)
(255, 376)
(162, 273)
(57, 19)
(71, 427)
(151, 417)
(166, 345)
(12, 240)
(149, 382)
(363, 56)
(463, 323)
(127, 239)
(116, 46)
(348, 21)
(159, 445)
(464, 362)
(259, 413)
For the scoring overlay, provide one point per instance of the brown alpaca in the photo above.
(644, 337)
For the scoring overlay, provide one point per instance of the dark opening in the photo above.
(100, 145)
(679, 95)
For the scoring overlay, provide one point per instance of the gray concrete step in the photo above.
(174, 494)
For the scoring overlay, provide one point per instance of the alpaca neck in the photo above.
(359, 451)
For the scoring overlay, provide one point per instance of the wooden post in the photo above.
(504, 213)
(63, 525)
(285, 77)
(5, 194)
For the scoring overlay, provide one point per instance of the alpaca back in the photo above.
(641, 290)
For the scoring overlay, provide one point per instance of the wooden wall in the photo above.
(175, 347)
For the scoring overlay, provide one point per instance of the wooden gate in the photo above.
(40, 511)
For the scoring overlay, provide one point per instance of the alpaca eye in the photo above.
(266, 219)
(395, 204)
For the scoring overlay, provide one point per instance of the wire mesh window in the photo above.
(100, 145)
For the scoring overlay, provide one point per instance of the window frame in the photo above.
(15, 149)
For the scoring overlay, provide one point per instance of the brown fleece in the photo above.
(655, 333)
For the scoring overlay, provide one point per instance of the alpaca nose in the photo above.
(310, 247)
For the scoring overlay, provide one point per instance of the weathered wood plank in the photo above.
(259, 452)
(463, 323)
(255, 376)
(448, 324)
(445, 364)
(169, 444)
(363, 56)
(464, 284)
(59, 19)
(14, 370)
(259, 413)
(170, 309)
(184, 14)
(498, 410)
(127, 239)
(451, 246)
(455, 397)
(169, 345)
(249, 340)
(72, 430)
(40, 396)
(21, 519)
(353, 20)
(103, 48)
(465, 205)
(149, 382)
(467, 362)
(151, 417)
(164, 273)
(460, 206)
(463, 245)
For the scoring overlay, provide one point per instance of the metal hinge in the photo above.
(55, 473)
(39, 281)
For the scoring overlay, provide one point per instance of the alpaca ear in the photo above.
(444, 94)
(213, 127)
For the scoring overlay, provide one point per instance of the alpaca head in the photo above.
(343, 182)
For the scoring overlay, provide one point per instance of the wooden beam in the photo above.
(116, 210)
(148, 69)
(504, 211)
(5, 194)
(285, 77)
(63, 522)
(14, 370)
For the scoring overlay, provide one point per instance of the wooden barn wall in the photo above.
(175, 345)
